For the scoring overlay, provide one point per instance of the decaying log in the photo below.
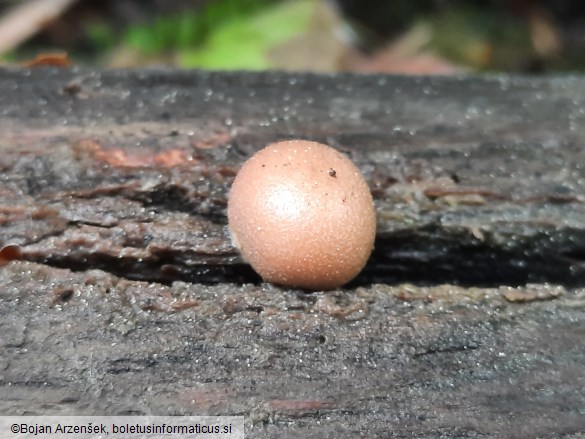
(127, 296)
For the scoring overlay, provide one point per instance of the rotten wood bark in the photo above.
(467, 322)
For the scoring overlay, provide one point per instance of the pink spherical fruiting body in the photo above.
(302, 215)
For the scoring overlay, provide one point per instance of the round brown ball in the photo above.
(302, 215)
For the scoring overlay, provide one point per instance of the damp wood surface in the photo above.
(129, 298)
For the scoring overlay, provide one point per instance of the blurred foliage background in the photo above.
(396, 36)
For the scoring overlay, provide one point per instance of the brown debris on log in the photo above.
(127, 296)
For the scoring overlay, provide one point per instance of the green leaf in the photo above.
(244, 43)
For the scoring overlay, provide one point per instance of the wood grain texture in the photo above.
(130, 298)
